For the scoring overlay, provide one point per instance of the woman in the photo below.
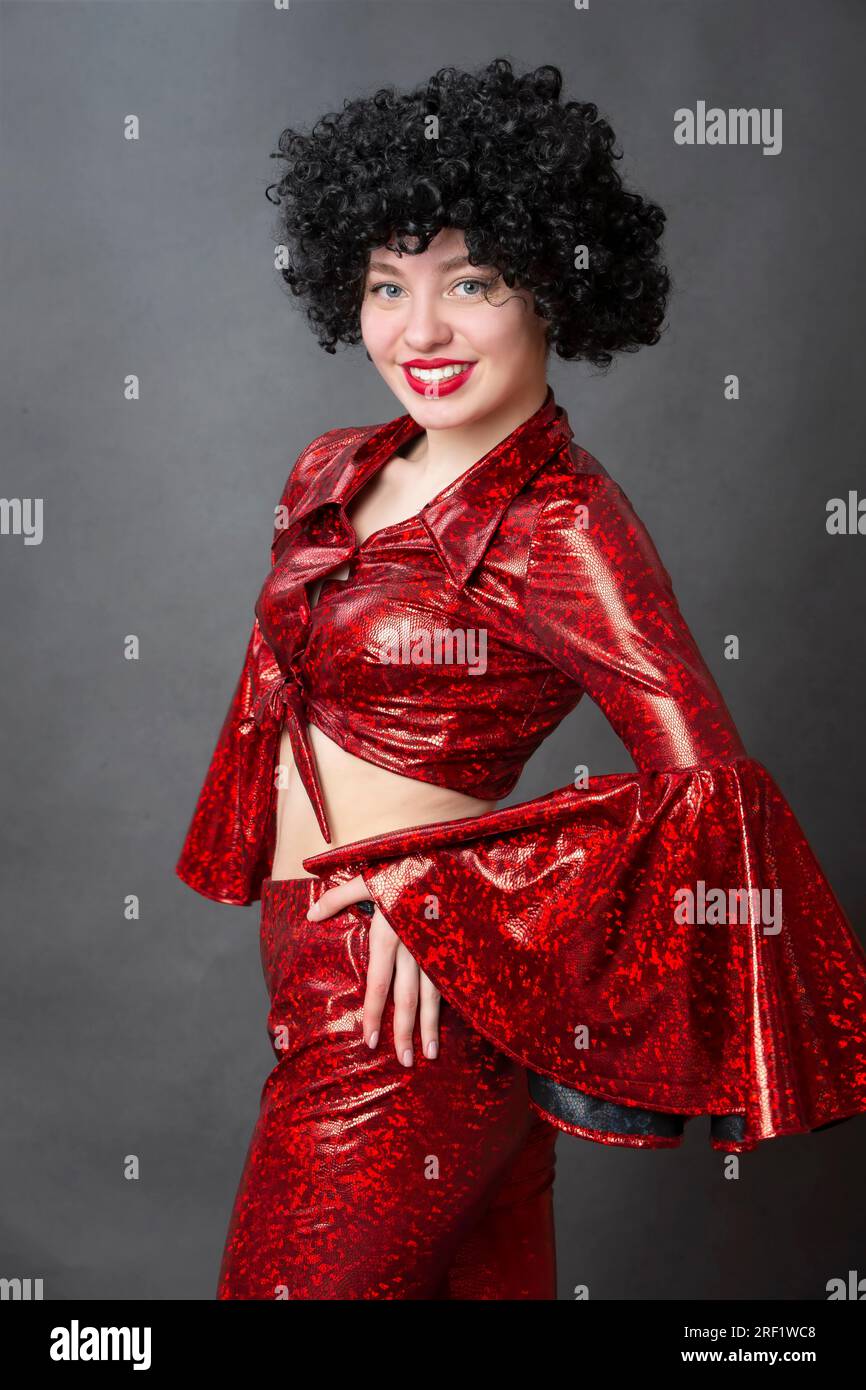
(451, 985)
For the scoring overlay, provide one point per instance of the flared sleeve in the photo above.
(229, 847)
(651, 946)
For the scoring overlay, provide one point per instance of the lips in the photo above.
(434, 377)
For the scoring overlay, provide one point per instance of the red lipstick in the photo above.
(446, 386)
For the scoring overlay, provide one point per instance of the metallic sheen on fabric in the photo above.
(368, 1180)
(549, 925)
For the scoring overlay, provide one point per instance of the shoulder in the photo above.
(310, 461)
(318, 452)
(585, 519)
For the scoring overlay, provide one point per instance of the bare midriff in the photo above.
(361, 799)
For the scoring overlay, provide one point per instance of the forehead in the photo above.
(448, 245)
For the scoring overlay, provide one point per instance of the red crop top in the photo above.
(434, 680)
(459, 640)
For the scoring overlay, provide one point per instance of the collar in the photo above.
(462, 518)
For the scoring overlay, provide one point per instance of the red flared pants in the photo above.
(366, 1179)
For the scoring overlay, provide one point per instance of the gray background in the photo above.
(149, 1038)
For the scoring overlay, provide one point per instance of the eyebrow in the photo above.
(444, 266)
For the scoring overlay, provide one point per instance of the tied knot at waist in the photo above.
(282, 693)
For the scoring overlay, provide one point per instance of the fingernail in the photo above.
(432, 1048)
(407, 1057)
(373, 1039)
(312, 911)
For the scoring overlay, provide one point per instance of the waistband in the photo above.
(295, 894)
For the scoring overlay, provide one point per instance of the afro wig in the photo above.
(529, 179)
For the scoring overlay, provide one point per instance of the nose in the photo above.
(427, 325)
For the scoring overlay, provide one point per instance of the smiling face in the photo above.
(450, 339)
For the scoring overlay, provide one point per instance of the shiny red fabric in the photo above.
(557, 927)
(404, 663)
(535, 547)
(567, 952)
(365, 1179)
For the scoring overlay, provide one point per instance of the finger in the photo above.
(380, 968)
(429, 1017)
(336, 898)
(406, 991)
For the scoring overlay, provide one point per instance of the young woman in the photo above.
(453, 984)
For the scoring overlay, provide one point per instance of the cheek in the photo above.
(510, 332)
(378, 330)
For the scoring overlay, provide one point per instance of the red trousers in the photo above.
(365, 1179)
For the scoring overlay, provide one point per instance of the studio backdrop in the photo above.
(158, 385)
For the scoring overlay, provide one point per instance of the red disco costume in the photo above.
(614, 957)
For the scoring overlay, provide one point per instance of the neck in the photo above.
(449, 452)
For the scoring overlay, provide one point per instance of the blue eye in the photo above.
(480, 287)
(376, 288)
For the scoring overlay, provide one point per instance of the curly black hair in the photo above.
(528, 178)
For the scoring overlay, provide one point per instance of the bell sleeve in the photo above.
(229, 846)
(652, 946)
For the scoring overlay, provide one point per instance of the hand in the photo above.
(388, 957)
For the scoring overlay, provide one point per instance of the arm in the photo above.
(229, 846)
(659, 944)
(600, 606)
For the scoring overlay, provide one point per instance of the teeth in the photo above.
(438, 373)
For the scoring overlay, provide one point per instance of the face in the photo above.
(450, 339)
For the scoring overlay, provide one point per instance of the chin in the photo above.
(439, 415)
